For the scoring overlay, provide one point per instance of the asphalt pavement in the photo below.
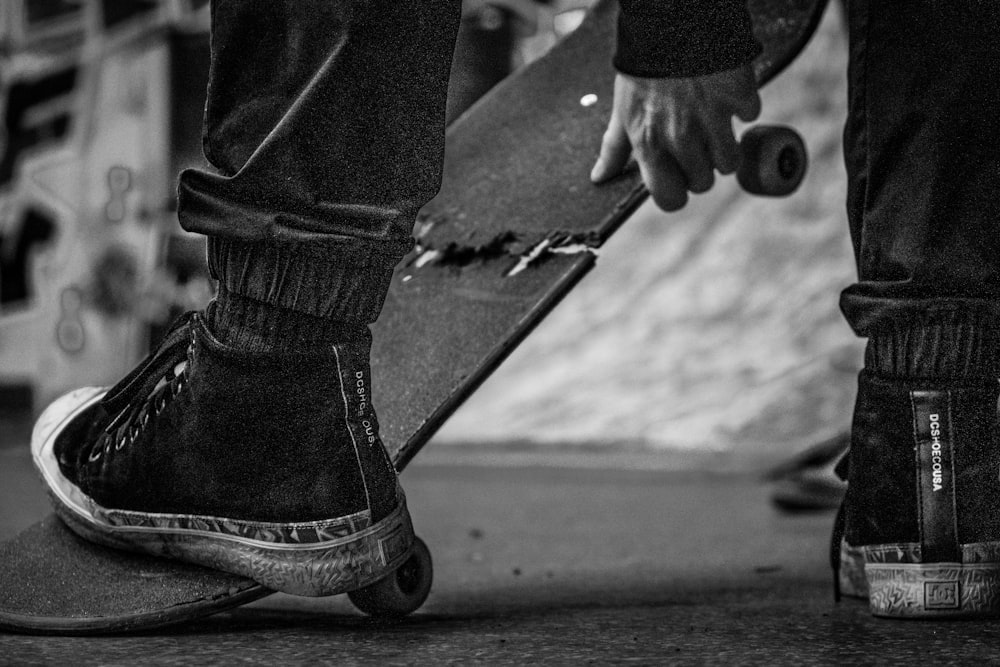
(557, 563)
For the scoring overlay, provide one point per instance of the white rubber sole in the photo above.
(920, 590)
(934, 590)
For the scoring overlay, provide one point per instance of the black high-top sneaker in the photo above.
(847, 560)
(265, 465)
(921, 519)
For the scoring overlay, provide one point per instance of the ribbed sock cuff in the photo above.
(953, 348)
(344, 282)
(249, 325)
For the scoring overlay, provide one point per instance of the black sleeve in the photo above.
(679, 38)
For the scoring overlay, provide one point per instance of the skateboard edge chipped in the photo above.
(507, 245)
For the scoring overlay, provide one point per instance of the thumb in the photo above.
(615, 151)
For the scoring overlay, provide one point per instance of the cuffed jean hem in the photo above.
(923, 171)
(346, 282)
(936, 339)
(871, 307)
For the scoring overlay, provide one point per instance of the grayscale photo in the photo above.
(499, 332)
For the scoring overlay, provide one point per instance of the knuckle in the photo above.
(651, 138)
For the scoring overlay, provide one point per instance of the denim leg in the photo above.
(325, 125)
(923, 161)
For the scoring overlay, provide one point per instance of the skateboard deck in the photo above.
(512, 231)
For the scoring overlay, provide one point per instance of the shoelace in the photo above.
(842, 470)
(147, 389)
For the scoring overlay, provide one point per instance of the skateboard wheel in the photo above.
(403, 591)
(773, 161)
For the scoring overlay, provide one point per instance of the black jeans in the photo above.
(922, 146)
(325, 121)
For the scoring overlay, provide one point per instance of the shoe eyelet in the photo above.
(95, 454)
(119, 444)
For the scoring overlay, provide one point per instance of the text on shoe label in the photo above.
(937, 471)
(370, 435)
(934, 444)
(362, 390)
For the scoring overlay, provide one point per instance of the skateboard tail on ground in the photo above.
(513, 230)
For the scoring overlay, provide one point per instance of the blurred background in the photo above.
(704, 338)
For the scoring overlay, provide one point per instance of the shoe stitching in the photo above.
(954, 477)
(347, 425)
(916, 463)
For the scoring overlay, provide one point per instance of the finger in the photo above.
(748, 106)
(722, 146)
(615, 152)
(695, 161)
(745, 99)
(664, 179)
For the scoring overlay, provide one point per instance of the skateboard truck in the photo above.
(773, 161)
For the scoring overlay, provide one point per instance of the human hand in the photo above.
(679, 131)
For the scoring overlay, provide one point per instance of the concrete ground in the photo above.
(553, 563)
